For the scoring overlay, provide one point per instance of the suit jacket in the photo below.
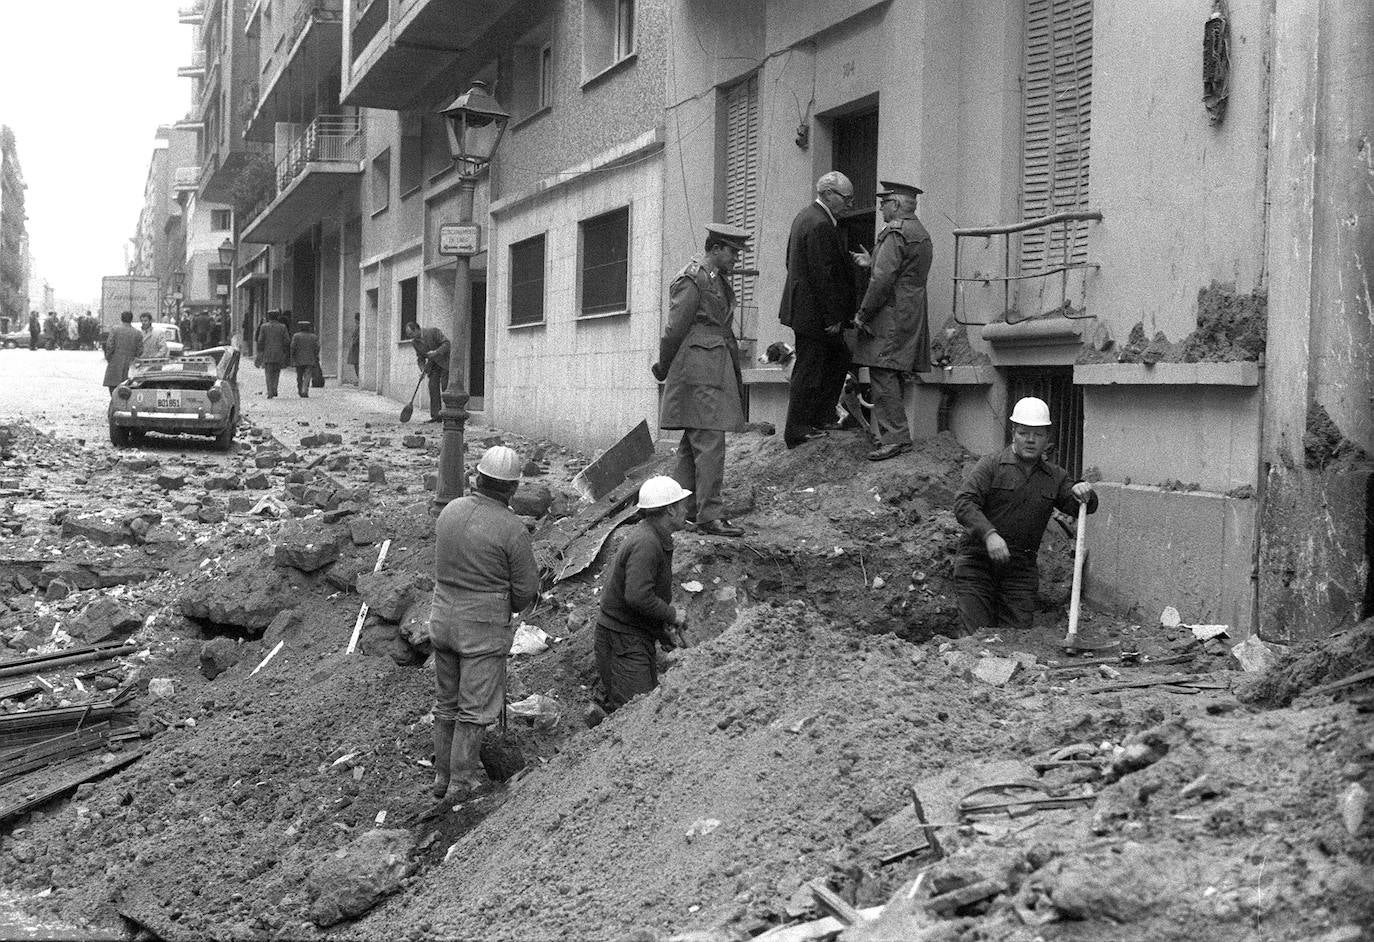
(305, 349)
(819, 291)
(122, 348)
(274, 343)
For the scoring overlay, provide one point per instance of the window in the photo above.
(1057, 111)
(608, 34)
(527, 281)
(221, 220)
(605, 268)
(381, 181)
(412, 153)
(1055, 385)
(742, 180)
(545, 73)
(409, 308)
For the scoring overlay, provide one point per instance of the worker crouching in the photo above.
(636, 603)
(484, 573)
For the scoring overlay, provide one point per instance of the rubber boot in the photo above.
(465, 762)
(443, 754)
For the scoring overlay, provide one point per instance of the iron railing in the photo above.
(1006, 231)
(330, 137)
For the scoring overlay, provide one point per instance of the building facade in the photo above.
(1178, 238)
(14, 239)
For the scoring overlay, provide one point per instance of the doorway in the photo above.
(477, 349)
(304, 264)
(854, 153)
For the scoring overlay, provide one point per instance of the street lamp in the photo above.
(476, 122)
(227, 251)
(178, 281)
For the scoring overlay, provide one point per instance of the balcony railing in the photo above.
(326, 11)
(330, 137)
(192, 13)
(197, 66)
(186, 178)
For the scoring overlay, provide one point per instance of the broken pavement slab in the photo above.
(1256, 656)
(997, 671)
(308, 550)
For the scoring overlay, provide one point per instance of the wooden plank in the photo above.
(56, 659)
(834, 904)
(1350, 681)
(10, 812)
(610, 468)
(42, 754)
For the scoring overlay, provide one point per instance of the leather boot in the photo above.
(465, 762)
(443, 751)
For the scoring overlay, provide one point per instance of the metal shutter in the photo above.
(742, 182)
(1057, 112)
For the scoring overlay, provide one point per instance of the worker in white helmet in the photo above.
(636, 602)
(1005, 503)
(484, 573)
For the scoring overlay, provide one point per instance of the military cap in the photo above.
(889, 188)
(725, 232)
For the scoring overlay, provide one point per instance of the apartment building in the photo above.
(151, 244)
(566, 297)
(1179, 139)
(14, 239)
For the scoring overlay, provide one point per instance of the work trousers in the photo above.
(889, 406)
(470, 670)
(701, 470)
(438, 382)
(272, 371)
(627, 665)
(814, 389)
(993, 595)
(303, 381)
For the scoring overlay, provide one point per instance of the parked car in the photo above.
(195, 394)
(15, 338)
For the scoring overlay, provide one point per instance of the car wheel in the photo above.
(119, 437)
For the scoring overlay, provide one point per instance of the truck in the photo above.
(137, 293)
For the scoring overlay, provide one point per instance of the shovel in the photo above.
(1080, 552)
(409, 408)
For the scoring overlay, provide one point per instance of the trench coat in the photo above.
(305, 349)
(122, 348)
(703, 387)
(894, 306)
(274, 343)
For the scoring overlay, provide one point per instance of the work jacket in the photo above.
(122, 348)
(484, 568)
(154, 344)
(1000, 493)
(274, 343)
(699, 354)
(894, 306)
(431, 340)
(639, 584)
(305, 349)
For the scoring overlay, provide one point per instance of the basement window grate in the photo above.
(1054, 384)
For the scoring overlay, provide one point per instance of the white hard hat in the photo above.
(1031, 411)
(500, 463)
(660, 492)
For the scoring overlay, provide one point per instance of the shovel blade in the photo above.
(407, 411)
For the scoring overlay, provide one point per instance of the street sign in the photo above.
(460, 239)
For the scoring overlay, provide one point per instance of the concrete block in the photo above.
(995, 670)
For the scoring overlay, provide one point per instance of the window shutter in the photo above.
(1057, 113)
(742, 176)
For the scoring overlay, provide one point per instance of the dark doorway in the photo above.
(410, 305)
(477, 346)
(304, 262)
(855, 154)
(1054, 384)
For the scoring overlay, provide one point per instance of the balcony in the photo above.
(185, 178)
(402, 48)
(192, 14)
(309, 46)
(197, 67)
(316, 180)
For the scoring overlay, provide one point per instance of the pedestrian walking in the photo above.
(154, 343)
(354, 342)
(432, 353)
(202, 327)
(484, 573)
(818, 300)
(305, 357)
(50, 330)
(122, 347)
(273, 344)
(698, 364)
(35, 330)
(636, 602)
(893, 338)
(1005, 503)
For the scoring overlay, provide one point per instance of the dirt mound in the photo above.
(1312, 664)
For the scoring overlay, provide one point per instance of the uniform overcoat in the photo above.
(703, 388)
(894, 307)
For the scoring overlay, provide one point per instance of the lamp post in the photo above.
(227, 251)
(178, 280)
(476, 122)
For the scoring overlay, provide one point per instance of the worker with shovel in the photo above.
(432, 353)
(1005, 503)
(484, 573)
(636, 603)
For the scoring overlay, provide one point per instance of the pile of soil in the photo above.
(1311, 664)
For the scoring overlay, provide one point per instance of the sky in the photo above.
(84, 85)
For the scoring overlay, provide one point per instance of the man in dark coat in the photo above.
(432, 353)
(894, 337)
(636, 602)
(698, 364)
(203, 329)
(122, 348)
(305, 357)
(274, 347)
(817, 302)
(35, 330)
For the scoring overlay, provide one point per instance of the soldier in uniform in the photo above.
(893, 339)
(698, 364)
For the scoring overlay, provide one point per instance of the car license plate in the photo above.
(169, 399)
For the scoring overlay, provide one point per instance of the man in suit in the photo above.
(274, 346)
(305, 356)
(818, 299)
(431, 352)
(122, 348)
